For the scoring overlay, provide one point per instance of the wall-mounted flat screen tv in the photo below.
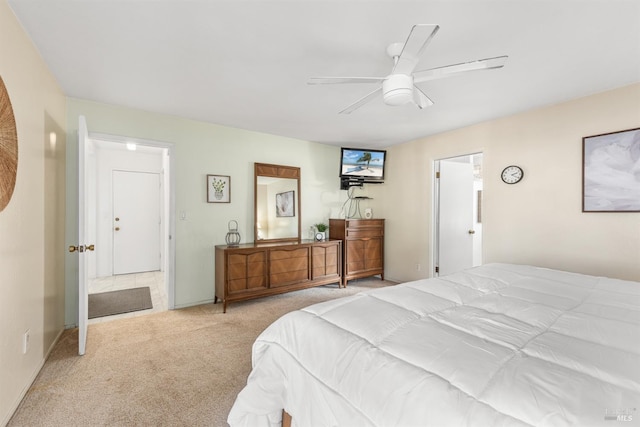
(363, 164)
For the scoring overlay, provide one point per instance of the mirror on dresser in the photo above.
(277, 203)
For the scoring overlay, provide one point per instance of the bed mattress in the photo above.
(496, 345)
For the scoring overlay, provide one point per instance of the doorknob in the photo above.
(81, 248)
(472, 231)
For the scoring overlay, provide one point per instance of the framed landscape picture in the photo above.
(611, 172)
(218, 189)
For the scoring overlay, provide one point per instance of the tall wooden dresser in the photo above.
(362, 246)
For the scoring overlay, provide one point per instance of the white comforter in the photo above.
(495, 345)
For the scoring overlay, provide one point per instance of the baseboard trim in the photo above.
(192, 304)
(34, 375)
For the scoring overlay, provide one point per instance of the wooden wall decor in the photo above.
(8, 148)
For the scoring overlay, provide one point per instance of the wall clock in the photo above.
(8, 148)
(512, 174)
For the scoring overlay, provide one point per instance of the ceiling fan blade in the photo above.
(359, 103)
(336, 80)
(420, 98)
(446, 71)
(418, 39)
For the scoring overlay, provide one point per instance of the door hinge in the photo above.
(437, 175)
(437, 269)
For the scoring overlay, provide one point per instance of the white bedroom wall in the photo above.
(32, 225)
(201, 149)
(538, 221)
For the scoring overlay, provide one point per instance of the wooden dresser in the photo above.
(362, 246)
(257, 270)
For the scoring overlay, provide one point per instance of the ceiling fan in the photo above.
(399, 87)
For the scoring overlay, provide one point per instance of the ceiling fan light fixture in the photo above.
(397, 89)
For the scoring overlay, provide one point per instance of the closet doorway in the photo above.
(458, 213)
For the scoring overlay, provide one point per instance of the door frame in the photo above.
(169, 239)
(84, 142)
(435, 215)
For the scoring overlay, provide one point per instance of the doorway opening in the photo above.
(457, 213)
(132, 216)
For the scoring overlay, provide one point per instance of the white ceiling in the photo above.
(245, 64)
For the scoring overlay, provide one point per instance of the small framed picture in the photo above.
(611, 172)
(218, 189)
(285, 205)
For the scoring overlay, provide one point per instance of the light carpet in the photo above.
(175, 368)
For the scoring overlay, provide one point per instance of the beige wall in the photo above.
(201, 149)
(538, 221)
(32, 225)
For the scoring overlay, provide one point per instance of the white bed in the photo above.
(495, 345)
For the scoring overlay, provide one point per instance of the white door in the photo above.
(136, 222)
(83, 233)
(455, 217)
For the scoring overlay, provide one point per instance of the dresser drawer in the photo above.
(252, 269)
(247, 284)
(359, 233)
(288, 278)
(278, 254)
(288, 266)
(247, 257)
(364, 223)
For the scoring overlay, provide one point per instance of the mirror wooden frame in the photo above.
(276, 171)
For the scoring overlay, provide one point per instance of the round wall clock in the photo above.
(512, 174)
(8, 148)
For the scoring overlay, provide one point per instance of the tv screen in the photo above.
(363, 164)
